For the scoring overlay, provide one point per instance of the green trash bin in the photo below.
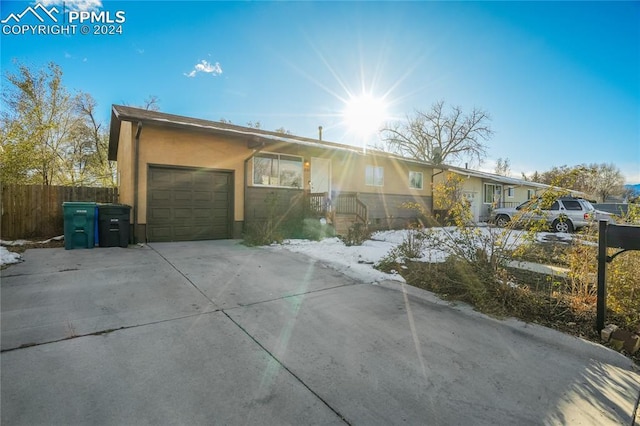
(113, 225)
(79, 225)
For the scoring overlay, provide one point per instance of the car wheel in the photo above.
(562, 226)
(502, 220)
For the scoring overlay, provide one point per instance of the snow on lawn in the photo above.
(357, 261)
(7, 257)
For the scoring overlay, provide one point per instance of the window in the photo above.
(510, 192)
(374, 176)
(572, 205)
(277, 170)
(415, 180)
(530, 194)
(492, 193)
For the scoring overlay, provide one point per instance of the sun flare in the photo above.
(365, 114)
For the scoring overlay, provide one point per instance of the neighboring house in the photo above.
(486, 191)
(193, 179)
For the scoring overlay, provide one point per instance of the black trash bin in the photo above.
(113, 220)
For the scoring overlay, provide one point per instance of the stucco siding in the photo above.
(125, 164)
(161, 146)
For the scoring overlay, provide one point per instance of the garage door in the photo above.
(185, 204)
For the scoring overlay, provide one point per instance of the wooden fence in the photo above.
(30, 211)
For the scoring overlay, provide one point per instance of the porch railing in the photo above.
(349, 203)
(342, 203)
(507, 204)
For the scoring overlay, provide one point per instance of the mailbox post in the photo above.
(624, 237)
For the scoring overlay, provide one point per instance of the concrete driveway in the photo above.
(217, 333)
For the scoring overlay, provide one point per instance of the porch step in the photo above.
(342, 222)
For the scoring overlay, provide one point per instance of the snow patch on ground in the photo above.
(7, 257)
(358, 262)
(355, 261)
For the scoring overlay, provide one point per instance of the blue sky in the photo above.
(561, 80)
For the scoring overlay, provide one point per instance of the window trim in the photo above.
(484, 192)
(279, 155)
(421, 187)
(374, 168)
(511, 192)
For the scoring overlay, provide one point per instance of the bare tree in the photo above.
(283, 131)
(96, 137)
(598, 180)
(503, 167)
(438, 135)
(605, 180)
(152, 103)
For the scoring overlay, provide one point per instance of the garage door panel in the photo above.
(188, 204)
(160, 195)
(159, 233)
(203, 179)
(220, 197)
(203, 213)
(206, 196)
(161, 178)
(182, 213)
(160, 214)
(182, 196)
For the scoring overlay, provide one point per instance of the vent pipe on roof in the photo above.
(466, 165)
(320, 133)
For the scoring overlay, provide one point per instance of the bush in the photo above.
(266, 231)
(262, 234)
(316, 229)
(357, 234)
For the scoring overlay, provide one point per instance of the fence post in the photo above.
(601, 303)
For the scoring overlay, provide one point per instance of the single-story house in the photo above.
(486, 191)
(193, 179)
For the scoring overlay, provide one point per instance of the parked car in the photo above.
(565, 214)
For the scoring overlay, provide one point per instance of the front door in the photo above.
(320, 175)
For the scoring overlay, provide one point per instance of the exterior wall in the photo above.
(288, 202)
(163, 146)
(386, 211)
(125, 164)
(473, 189)
(349, 176)
(384, 203)
(182, 148)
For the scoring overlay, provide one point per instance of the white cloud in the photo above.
(205, 67)
(74, 4)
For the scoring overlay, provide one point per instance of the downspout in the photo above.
(432, 182)
(246, 183)
(136, 170)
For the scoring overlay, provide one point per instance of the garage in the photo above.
(187, 204)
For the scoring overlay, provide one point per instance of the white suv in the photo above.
(566, 214)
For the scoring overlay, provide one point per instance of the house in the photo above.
(194, 179)
(486, 191)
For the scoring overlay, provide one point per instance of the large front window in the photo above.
(277, 170)
(492, 193)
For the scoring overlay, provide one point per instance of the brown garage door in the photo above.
(185, 204)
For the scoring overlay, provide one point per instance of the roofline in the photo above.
(507, 179)
(121, 113)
